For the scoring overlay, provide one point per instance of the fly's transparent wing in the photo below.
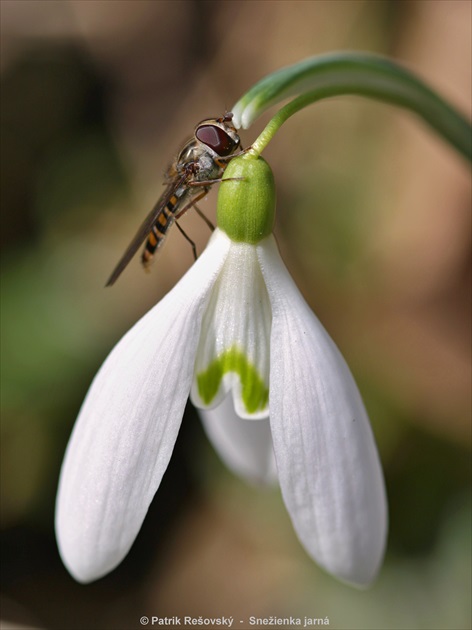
(145, 228)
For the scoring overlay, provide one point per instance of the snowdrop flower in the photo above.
(277, 400)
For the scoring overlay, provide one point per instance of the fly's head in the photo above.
(218, 135)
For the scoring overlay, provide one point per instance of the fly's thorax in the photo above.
(246, 200)
(207, 168)
(202, 160)
(187, 154)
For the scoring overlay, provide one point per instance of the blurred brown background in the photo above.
(374, 224)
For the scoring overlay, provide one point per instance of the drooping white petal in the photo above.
(327, 461)
(233, 354)
(244, 446)
(128, 424)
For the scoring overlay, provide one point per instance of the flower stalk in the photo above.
(343, 73)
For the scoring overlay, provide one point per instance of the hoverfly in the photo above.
(198, 166)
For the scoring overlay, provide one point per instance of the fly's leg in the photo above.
(183, 211)
(222, 161)
(192, 203)
(194, 248)
(210, 182)
(206, 187)
(207, 221)
(192, 169)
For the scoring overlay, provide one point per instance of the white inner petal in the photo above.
(245, 447)
(233, 353)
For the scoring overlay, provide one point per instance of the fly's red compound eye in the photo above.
(217, 139)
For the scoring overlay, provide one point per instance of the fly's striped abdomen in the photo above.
(160, 227)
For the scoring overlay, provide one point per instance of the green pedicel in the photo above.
(255, 394)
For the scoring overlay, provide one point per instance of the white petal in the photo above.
(128, 424)
(237, 110)
(244, 114)
(249, 115)
(244, 446)
(233, 353)
(327, 461)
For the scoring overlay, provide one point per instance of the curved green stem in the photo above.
(350, 73)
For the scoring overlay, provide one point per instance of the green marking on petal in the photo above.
(254, 392)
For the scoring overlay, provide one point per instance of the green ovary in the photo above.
(255, 394)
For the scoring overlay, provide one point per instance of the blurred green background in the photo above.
(374, 225)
